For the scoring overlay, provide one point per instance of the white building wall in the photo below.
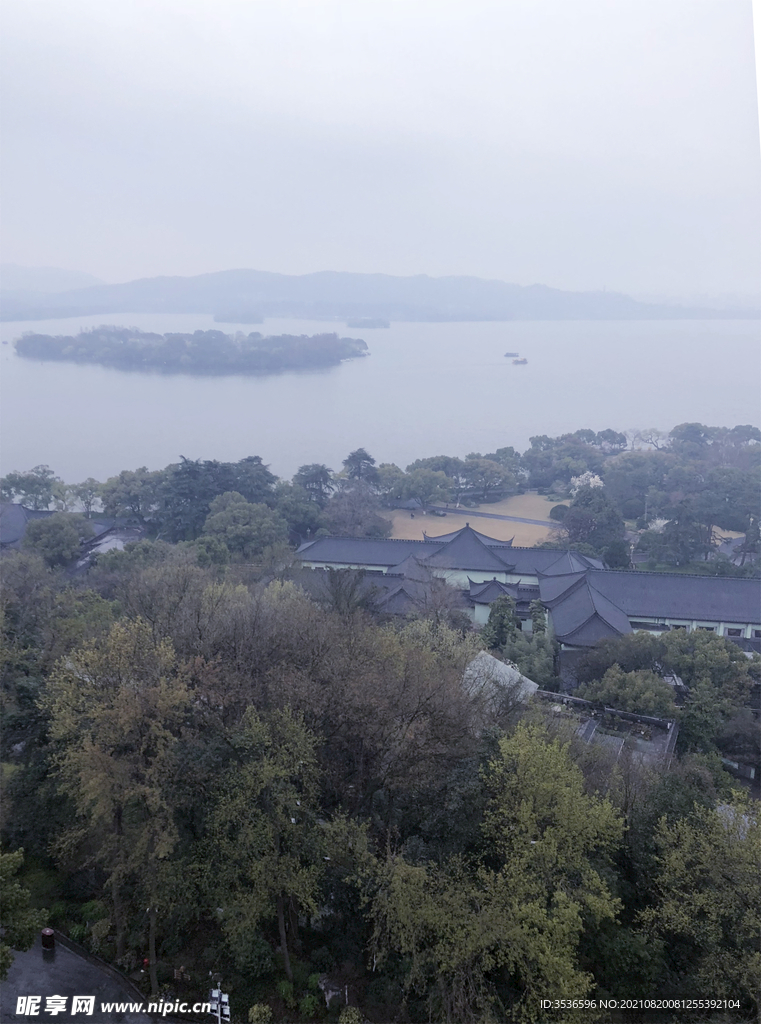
(343, 565)
(719, 627)
(481, 614)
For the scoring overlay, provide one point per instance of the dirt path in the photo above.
(494, 515)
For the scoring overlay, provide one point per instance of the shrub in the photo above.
(57, 538)
(642, 692)
(309, 1005)
(285, 991)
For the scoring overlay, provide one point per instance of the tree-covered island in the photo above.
(203, 352)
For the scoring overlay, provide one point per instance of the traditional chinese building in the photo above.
(585, 602)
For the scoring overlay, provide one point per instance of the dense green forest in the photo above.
(210, 769)
(210, 352)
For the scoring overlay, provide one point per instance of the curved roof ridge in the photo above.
(601, 597)
(482, 585)
(564, 566)
(578, 577)
(468, 538)
(580, 606)
(523, 547)
(452, 534)
(387, 540)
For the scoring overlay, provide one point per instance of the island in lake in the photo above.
(209, 352)
(362, 322)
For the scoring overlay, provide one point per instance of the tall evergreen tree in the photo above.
(502, 625)
(360, 465)
(117, 711)
(266, 855)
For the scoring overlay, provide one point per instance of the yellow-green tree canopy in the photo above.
(642, 692)
(498, 935)
(266, 845)
(708, 899)
(117, 710)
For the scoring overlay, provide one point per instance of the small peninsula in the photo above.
(202, 352)
(363, 322)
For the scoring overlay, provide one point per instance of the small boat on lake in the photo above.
(510, 355)
(519, 362)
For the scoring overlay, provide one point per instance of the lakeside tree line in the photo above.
(670, 491)
(239, 778)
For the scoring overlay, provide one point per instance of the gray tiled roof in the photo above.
(13, 521)
(485, 593)
(388, 593)
(584, 604)
(571, 561)
(412, 568)
(491, 541)
(316, 583)
(364, 550)
(467, 551)
(671, 595)
(539, 560)
(583, 607)
(403, 599)
(464, 549)
(588, 634)
(554, 588)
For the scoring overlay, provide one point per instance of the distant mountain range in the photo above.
(246, 296)
(43, 280)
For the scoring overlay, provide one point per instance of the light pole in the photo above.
(219, 1001)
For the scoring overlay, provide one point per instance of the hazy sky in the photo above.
(578, 143)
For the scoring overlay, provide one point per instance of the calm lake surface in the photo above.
(426, 389)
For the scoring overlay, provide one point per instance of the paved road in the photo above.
(68, 971)
(63, 972)
(492, 515)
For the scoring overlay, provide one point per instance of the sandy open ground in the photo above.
(528, 506)
(721, 535)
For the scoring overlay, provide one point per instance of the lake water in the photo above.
(426, 389)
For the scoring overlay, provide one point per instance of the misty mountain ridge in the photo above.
(246, 295)
(43, 280)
